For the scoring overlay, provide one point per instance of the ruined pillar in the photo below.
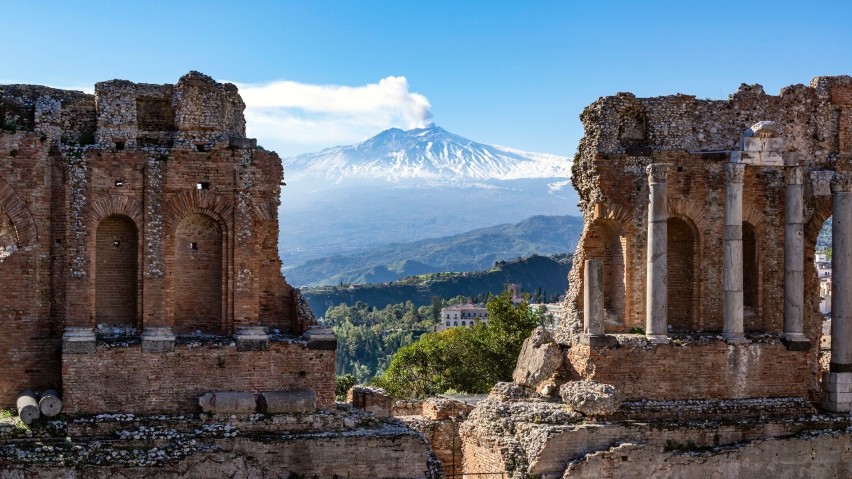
(656, 321)
(837, 381)
(593, 306)
(593, 300)
(794, 263)
(732, 327)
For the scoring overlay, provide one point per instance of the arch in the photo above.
(116, 271)
(683, 268)
(116, 205)
(19, 215)
(197, 269)
(605, 240)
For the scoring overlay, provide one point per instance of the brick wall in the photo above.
(699, 370)
(124, 379)
(116, 272)
(198, 286)
(64, 184)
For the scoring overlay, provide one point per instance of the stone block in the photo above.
(78, 341)
(322, 339)
(540, 359)
(371, 399)
(252, 338)
(599, 340)
(158, 340)
(228, 402)
(591, 398)
(287, 402)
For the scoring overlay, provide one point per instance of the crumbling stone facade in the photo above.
(703, 215)
(692, 322)
(138, 251)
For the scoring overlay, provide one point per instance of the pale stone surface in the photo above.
(841, 263)
(49, 403)
(732, 328)
(252, 338)
(656, 322)
(78, 340)
(539, 360)
(27, 405)
(837, 391)
(158, 340)
(505, 391)
(591, 398)
(794, 260)
(287, 402)
(228, 402)
(824, 456)
(593, 297)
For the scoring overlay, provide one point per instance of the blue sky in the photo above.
(515, 73)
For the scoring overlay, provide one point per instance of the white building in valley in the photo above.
(463, 315)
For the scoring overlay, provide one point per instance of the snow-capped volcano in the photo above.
(425, 153)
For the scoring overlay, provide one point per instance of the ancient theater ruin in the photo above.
(138, 252)
(692, 319)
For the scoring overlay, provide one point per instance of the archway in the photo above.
(197, 298)
(605, 240)
(682, 285)
(116, 271)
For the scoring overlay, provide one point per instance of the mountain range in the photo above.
(404, 186)
(471, 251)
(426, 154)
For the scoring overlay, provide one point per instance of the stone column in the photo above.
(794, 264)
(593, 306)
(593, 300)
(656, 319)
(837, 381)
(732, 328)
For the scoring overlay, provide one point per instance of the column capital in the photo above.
(794, 175)
(657, 172)
(841, 183)
(735, 172)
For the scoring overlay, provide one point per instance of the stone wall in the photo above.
(708, 369)
(121, 377)
(697, 138)
(337, 443)
(140, 208)
(825, 455)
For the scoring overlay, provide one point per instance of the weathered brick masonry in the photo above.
(808, 141)
(143, 210)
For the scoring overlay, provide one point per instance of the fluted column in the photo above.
(656, 319)
(837, 381)
(732, 327)
(794, 263)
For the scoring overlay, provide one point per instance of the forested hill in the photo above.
(474, 250)
(544, 277)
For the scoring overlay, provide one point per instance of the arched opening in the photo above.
(751, 272)
(822, 262)
(606, 241)
(116, 266)
(681, 275)
(197, 297)
(8, 235)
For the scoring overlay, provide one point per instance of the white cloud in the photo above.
(292, 117)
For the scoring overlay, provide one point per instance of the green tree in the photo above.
(463, 359)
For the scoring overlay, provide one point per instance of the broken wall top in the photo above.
(807, 117)
(196, 112)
